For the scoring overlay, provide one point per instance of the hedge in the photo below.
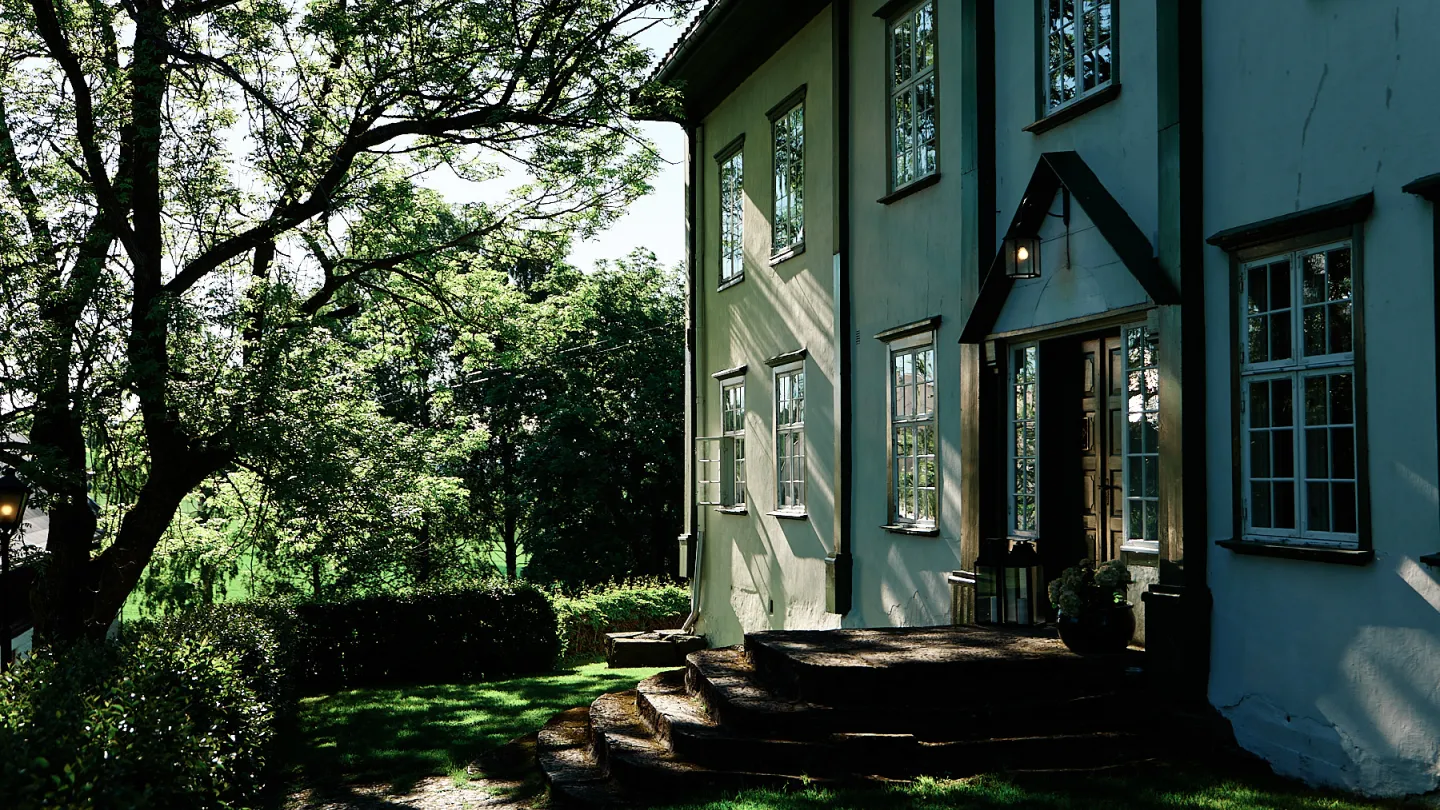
(185, 712)
(585, 617)
(439, 635)
(183, 715)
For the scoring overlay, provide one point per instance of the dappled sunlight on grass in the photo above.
(1161, 788)
(399, 736)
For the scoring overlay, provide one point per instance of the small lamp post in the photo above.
(14, 494)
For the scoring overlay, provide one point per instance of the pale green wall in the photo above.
(905, 266)
(752, 559)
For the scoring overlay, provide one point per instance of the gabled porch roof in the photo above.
(1066, 170)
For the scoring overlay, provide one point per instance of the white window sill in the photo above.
(787, 253)
(733, 510)
(1141, 546)
(912, 529)
(1295, 551)
(789, 515)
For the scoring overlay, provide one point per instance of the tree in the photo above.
(193, 193)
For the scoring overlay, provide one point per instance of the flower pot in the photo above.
(1101, 631)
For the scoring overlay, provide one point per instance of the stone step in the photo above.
(899, 666)
(562, 749)
(626, 751)
(678, 721)
(730, 692)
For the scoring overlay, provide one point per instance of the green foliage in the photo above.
(1083, 588)
(427, 635)
(181, 714)
(585, 617)
(217, 254)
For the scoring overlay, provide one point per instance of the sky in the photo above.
(655, 222)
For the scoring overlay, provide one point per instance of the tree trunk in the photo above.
(512, 549)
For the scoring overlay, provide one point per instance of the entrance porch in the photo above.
(797, 707)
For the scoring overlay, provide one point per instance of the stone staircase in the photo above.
(807, 707)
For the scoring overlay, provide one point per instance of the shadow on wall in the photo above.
(1375, 726)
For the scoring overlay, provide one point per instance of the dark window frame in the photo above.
(894, 191)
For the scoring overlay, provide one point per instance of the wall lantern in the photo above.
(1009, 585)
(13, 495)
(1022, 256)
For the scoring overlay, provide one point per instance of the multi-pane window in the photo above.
(732, 216)
(912, 96)
(790, 439)
(732, 415)
(1079, 49)
(912, 441)
(788, 222)
(1142, 437)
(1298, 397)
(1024, 440)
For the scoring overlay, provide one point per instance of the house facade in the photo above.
(980, 289)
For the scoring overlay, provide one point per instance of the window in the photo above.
(1142, 441)
(732, 215)
(788, 222)
(1079, 50)
(1298, 410)
(913, 140)
(732, 409)
(913, 485)
(790, 438)
(1024, 440)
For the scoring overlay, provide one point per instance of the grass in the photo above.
(1161, 788)
(399, 736)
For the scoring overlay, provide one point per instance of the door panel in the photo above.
(1102, 408)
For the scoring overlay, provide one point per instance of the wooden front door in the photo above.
(1102, 403)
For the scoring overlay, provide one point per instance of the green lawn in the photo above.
(1164, 788)
(399, 736)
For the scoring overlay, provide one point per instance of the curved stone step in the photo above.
(562, 749)
(680, 723)
(625, 749)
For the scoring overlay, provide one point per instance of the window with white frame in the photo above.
(913, 136)
(732, 400)
(1079, 50)
(914, 482)
(1024, 440)
(1142, 440)
(732, 215)
(788, 220)
(1297, 370)
(790, 438)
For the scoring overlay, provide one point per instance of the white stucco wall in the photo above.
(760, 572)
(904, 268)
(1332, 672)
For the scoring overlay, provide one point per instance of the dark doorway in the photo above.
(1082, 414)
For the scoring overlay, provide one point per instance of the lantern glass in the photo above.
(13, 495)
(987, 597)
(1022, 256)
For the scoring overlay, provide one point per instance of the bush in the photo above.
(183, 713)
(431, 635)
(584, 618)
